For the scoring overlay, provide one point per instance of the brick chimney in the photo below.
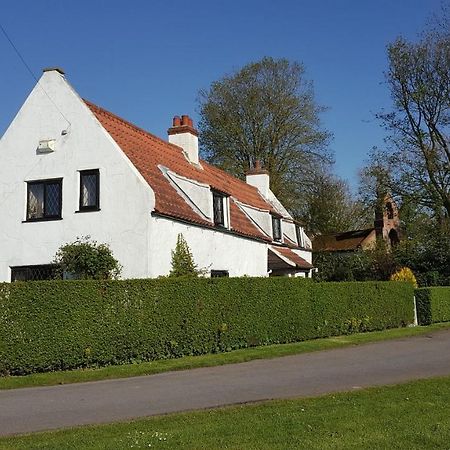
(258, 177)
(183, 134)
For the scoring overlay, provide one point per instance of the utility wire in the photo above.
(31, 73)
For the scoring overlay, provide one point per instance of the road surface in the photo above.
(303, 375)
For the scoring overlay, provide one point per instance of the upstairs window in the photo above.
(89, 190)
(276, 228)
(44, 200)
(219, 203)
(298, 231)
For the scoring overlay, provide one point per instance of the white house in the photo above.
(69, 168)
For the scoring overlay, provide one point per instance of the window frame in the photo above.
(45, 183)
(277, 238)
(28, 271)
(219, 273)
(298, 230)
(89, 208)
(225, 214)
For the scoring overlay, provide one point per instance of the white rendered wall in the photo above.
(259, 181)
(305, 254)
(125, 199)
(211, 249)
(188, 142)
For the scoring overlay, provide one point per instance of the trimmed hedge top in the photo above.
(53, 325)
(433, 304)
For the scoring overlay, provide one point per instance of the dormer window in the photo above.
(276, 228)
(220, 209)
(298, 231)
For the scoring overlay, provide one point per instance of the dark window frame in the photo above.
(31, 271)
(276, 230)
(219, 221)
(220, 273)
(298, 232)
(87, 208)
(46, 216)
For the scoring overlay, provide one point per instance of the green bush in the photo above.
(54, 325)
(433, 305)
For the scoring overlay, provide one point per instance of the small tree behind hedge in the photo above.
(86, 259)
(183, 264)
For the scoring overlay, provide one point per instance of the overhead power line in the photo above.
(31, 72)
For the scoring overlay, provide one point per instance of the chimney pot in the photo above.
(185, 136)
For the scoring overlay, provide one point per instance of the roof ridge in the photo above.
(130, 124)
(344, 232)
(153, 136)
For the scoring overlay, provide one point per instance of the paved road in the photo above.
(310, 374)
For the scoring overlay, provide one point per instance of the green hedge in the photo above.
(433, 305)
(54, 325)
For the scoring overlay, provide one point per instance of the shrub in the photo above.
(183, 264)
(54, 325)
(405, 274)
(86, 259)
(433, 305)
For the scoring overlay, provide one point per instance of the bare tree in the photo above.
(418, 158)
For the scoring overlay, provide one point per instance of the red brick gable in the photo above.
(147, 152)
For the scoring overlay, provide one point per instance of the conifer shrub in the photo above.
(182, 262)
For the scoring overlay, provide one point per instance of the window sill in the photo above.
(220, 226)
(87, 210)
(42, 219)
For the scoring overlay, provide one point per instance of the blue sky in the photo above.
(146, 60)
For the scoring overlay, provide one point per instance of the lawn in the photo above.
(408, 416)
(190, 362)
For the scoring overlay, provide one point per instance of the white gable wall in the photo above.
(126, 200)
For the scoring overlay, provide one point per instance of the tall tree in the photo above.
(330, 207)
(265, 111)
(418, 157)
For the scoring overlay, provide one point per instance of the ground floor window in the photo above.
(219, 273)
(30, 273)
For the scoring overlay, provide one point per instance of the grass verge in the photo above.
(408, 416)
(191, 362)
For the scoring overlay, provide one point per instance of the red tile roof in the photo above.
(147, 152)
(287, 253)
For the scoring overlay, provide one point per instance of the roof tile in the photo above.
(147, 152)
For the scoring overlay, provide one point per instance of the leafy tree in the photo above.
(329, 206)
(418, 157)
(183, 264)
(86, 259)
(265, 111)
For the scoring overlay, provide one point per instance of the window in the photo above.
(276, 228)
(219, 273)
(219, 202)
(29, 273)
(44, 200)
(89, 190)
(390, 210)
(298, 231)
